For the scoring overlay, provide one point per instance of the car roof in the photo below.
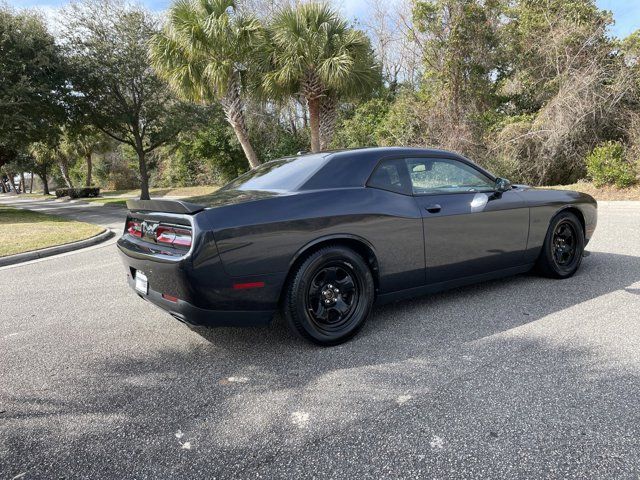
(352, 167)
(390, 151)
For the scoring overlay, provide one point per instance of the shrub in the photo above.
(360, 126)
(117, 169)
(204, 157)
(607, 165)
(82, 192)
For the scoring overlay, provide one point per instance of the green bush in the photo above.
(360, 126)
(82, 192)
(117, 169)
(607, 165)
(207, 156)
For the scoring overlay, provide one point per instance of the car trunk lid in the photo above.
(166, 206)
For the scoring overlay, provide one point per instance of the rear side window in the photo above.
(283, 174)
(391, 175)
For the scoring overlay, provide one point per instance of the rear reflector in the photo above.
(170, 298)
(134, 228)
(244, 286)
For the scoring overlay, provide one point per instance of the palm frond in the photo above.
(203, 47)
(312, 39)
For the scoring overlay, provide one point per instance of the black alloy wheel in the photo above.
(563, 247)
(329, 296)
(332, 295)
(564, 243)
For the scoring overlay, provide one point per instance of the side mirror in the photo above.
(502, 185)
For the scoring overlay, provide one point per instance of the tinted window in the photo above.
(283, 174)
(443, 175)
(391, 175)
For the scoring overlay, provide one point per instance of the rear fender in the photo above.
(327, 239)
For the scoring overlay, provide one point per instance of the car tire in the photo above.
(563, 247)
(329, 296)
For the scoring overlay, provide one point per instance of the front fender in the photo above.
(546, 204)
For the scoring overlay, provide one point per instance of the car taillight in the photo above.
(134, 228)
(180, 237)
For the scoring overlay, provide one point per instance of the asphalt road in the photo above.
(109, 216)
(518, 378)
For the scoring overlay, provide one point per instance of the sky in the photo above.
(626, 13)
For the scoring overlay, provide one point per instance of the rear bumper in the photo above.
(204, 294)
(200, 317)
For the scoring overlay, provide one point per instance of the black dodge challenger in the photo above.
(323, 237)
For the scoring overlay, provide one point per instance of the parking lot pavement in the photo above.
(518, 378)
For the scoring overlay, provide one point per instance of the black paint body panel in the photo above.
(248, 237)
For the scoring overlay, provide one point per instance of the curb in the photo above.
(48, 252)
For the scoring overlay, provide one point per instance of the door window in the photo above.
(444, 175)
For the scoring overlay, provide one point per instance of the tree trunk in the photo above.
(23, 183)
(243, 138)
(313, 91)
(328, 117)
(89, 169)
(144, 174)
(31, 184)
(12, 182)
(233, 107)
(303, 107)
(292, 117)
(64, 169)
(314, 122)
(45, 184)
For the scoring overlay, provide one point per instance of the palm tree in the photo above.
(44, 156)
(84, 143)
(313, 52)
(367, 75)
(204, 52)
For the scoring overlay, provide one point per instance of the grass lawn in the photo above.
(165, 192)
(120, 202)
(603, 193)
(24, 231)
(119, 197)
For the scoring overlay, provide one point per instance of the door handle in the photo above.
(433, 208)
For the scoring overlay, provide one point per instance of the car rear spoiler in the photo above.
(168, 206)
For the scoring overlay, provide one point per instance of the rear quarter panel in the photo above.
(266, 236)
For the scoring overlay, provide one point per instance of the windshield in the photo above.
(283, 174)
